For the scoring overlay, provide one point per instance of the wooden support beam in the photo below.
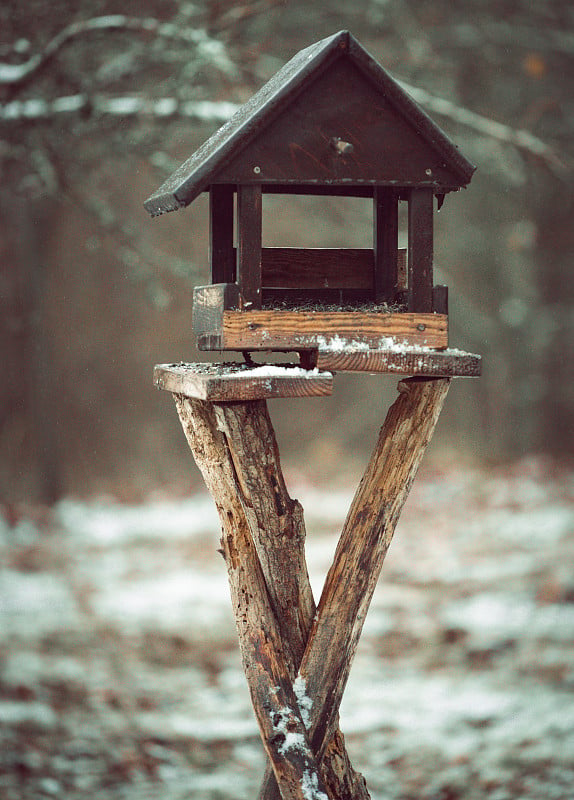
(249, 222)
(420, 250)
(221, 227)
(385, 243)
(362, 547)
(263, 532)
(279, 535)
(297, 661)
(301, 330)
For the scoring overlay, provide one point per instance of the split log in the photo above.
(278, 530)
(361, 550)
(296, 700)
(234, 445)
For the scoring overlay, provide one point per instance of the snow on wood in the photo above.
(228, 382)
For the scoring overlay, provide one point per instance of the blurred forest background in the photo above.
(97, 108)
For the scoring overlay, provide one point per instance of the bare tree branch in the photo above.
(213, 51)
(121, 106)
(209, 49)
(521, 139)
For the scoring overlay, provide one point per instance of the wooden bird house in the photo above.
(331, 122)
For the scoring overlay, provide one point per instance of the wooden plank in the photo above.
(302, 330)
(385, 243)
(232, 382)
(420, 247)
(409, 361)
(296, 267)
(221, 227)
(249, 222)
(209, 303)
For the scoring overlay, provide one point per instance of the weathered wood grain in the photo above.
(262, 533)
(302, 330)
(278, 530)
(209, 303)
(362, 547)
(408, 361)
(267, 664)
(234, 382)
(263, 538)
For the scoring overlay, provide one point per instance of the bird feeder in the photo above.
(331, 122)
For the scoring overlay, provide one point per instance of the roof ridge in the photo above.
(193, 176)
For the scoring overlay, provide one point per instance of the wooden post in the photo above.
(235, 447)
(420, 250)
(385, 243)
(267, 665)
(297, 662)
(221, 218)
(364, 542)
(249, 222)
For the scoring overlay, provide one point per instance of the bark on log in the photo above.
(263, 533)
(361, 550)
(235, 447)
(278, 531)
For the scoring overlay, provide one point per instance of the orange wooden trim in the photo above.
(301, 330)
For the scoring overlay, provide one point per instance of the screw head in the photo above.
(257, 170)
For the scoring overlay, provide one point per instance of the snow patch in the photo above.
(304, 701)
(310, 786)
(108, 523)
(293, 740)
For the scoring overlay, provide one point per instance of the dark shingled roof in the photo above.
(195, 175)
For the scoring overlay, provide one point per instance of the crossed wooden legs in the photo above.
(297, 658)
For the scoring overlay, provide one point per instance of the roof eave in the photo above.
(177, 192)
(170, 197)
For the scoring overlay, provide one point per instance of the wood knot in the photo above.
(341, 147)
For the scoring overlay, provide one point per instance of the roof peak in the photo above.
(281, 93)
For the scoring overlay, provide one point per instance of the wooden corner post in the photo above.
(297, 657)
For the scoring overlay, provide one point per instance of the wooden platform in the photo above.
(415, 361)
(230, 382)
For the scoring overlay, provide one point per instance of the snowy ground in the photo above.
(120, 676)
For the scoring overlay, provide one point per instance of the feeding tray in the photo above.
(331, 122)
